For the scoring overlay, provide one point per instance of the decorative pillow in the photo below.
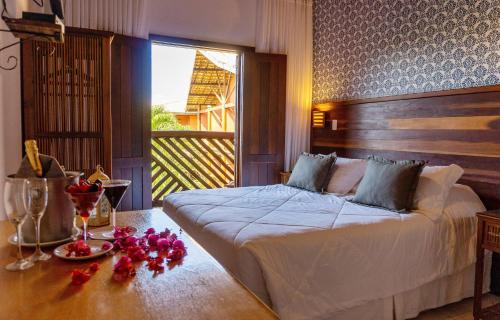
(462, 202)
(434, 187)
(346, 174)
(312, 171)
(389, 184)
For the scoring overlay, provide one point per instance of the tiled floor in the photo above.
(458, 311)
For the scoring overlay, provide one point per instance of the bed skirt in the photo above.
(409, 304)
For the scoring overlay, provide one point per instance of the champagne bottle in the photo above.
(34, 157)
(103, 207)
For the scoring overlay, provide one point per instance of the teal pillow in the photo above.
(312, 171)
(389, 184)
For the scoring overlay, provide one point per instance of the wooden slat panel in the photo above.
(456, 126)
(201, 159)
(177, 169)
(214, 156)
(66, 99)
(217, 164)
(198, 172)
(191, 161)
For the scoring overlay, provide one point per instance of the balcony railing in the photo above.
(184, 160)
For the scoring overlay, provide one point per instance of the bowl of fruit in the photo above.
(85, 196)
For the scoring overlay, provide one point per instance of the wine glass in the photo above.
(14, 207)
(36, 192)
(84, 203)
(114, 190)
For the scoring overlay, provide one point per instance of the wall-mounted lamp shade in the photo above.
(318, 119)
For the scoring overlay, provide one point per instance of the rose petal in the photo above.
(162, 244)
(176, 254)
(152, 239)
(136, 253)
(94, 267)
(178, 244)
(79, 277)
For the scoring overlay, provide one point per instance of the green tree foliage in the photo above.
(162, 120)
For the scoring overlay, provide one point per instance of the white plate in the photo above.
(106, 233)
(13, 240)
(95, 250)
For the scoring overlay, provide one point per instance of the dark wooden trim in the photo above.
(96, 135)
(192, 134)
(432, 94)
(89, 31)
(106, 116)
(177, 41)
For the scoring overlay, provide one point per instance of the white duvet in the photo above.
(310, 255)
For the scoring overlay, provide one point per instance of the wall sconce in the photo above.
(318, 119)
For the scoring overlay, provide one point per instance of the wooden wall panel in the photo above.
(456, 126)
(131, 108)
(66, 98)
(262, 134)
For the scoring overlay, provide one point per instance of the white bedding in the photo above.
(310, 255)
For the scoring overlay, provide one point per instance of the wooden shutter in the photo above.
(131, 110)
(66, 98)
(261, 118)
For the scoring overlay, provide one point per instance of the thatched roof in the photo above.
(207, 82)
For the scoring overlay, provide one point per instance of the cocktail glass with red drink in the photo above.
(85, 199)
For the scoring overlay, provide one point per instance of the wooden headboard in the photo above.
(456, 126)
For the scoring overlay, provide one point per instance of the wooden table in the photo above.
(199, 288)
(488, 238)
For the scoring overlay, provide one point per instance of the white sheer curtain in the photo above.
(126, 17)
(285, 26)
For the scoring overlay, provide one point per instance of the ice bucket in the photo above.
(57, 222)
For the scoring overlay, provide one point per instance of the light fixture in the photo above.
(318, 119)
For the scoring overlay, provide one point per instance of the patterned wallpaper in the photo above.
(373, 48)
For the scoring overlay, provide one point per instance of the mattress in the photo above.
(311, 256)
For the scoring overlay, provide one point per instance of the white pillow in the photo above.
(346, 174)
(433, 188)
(463, 202)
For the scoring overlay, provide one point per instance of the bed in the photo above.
(318, 256)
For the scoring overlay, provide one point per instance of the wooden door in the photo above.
(66, 98)
(261, 114)
(131, 118)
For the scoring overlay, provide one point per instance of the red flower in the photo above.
(78, 248)
(150, 231)
(165, 233)
(156, 264)
(178, 244)
(122, 232)
(94, 267)
(136, 253)
(130, 241)
(171, 238)
(106, 246)
(123, 269)
(162, 244)
(152, 239)
(79, 277)
(176, 254)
